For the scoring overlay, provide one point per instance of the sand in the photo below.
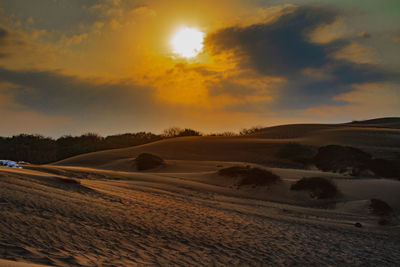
(97, 210)
(159, 218)
(6, 263)
(259, 148)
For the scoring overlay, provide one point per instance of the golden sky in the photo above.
(107, 66)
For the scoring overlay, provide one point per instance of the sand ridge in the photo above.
(260, 147)
(128, 218)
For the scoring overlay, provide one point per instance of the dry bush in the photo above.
(318, 187)
(250, 176)
(251, 130)
(380, 207)
(178, 132)
(146, 161)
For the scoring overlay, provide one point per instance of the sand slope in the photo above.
(96, 209)
(259, 148)
(6, 263)
(122, 218)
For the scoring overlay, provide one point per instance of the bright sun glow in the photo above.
(187, 42)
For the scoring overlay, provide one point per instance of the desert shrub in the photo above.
(171, 132)
(355, 161)
(295, 152)
(251, 130)
(177, 132)
(385, 168)
(341, 159)
(250, 176)
(223, 134)
(380, 207)
(146, 161)
(189, 132)
(318, 187)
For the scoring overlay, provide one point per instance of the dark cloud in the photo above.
(4, 35)
(4, 40)
(364, 35)
(277, 48)
(52, 14)
(284, 48)
(55, 93)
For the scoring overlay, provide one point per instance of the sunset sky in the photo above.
(110, 66)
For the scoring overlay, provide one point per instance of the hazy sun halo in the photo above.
(187, 42)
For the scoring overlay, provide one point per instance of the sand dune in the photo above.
(188, 148)
(97, 209)
(260, 148)
(389, 122)
(178, 216)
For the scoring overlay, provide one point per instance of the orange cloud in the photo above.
(213, 88)
(368, 100)
(327, 33)
(356, 52)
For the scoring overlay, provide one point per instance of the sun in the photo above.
(187, 42)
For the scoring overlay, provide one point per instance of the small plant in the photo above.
(179, 132)
(318, 187)
(250, 176)
(342, 159)
(251, 130)
(146, 161)
(380, 207)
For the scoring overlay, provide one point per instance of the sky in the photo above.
(107, 66)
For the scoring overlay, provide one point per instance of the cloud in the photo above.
(288, 47)
(356, 52)
(4, 40)
(369, 100)
(143, 11)
(330, 32)
(4, 35)
(364, 35)
(52, 92)
(74, 40)
(279, 47)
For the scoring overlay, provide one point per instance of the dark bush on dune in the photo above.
(342, 159)
(296, 153)
(380, 207)
(385, 168)
(250, 176)
(178, 132)
(318, 187)
(146, 161)
(355, 162)
(251, 131)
